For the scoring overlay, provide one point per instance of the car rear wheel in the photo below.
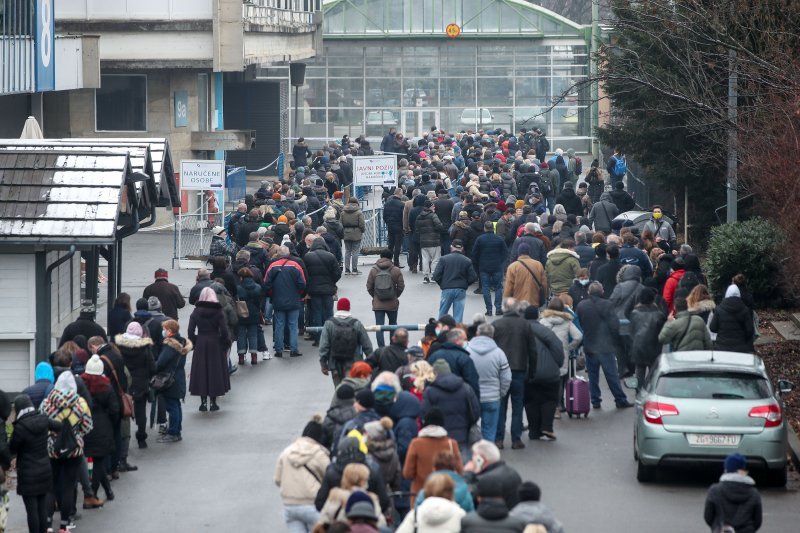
(645, 473)
(776, 478)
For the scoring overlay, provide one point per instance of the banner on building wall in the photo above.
(374, 170)
(45, 41)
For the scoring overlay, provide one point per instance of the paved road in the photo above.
(220, 476)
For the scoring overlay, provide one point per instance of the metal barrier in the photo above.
(193, 236)
(374, 328)
(375, 232)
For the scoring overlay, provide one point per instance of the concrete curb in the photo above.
(794, 448)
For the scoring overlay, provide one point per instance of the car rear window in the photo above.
(713, 386)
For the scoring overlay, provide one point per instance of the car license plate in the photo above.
(706, 439)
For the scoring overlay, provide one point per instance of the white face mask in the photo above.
(584, 282)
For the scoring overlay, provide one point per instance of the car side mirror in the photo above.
(785, 386)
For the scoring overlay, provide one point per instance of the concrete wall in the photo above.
(13, 112)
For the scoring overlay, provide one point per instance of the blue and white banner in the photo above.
(45, 46)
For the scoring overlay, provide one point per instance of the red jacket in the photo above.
(670, 287)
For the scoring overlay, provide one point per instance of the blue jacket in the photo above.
(461, 364)
(585, 254)
(393, 213)
(39, 391)
(173, 359)
(458, 404)
(461, 496)
(489, 253)
(600, 325)
(285, 283)
(630, 255)
(249, 291)
(404, 413)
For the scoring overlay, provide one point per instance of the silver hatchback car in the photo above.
(697, 407)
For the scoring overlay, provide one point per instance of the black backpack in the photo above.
(65, 443)
(689, 281)
(344, 341)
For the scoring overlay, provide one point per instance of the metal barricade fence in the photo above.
(193, 235)
(375, 232)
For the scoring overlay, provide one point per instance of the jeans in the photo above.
(300, 518)
(550, 203)
(379, 320)
(490, 412)
(609, 365)
(248, 338)
(541, 402)
(268, 309)
(455, 297)
(320, 307)
(351, 251)
(517, 395)
(492, 281)
(395, 245)
(175, 416)
(282, 320)
(36, 509)
(430, 256)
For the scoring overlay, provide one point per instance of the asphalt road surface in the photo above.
(220, 477)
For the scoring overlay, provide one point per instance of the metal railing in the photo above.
(639, 190)
(192, 236)
(294, 14)
(375, 232)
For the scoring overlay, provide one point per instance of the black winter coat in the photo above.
(646, 324)
(506, 475)
(570, 201)
(578, 293)
(443, 208)
(600, 325)
(333, 478)
(489, 253)
(393, 214)
(29, 443)
(118, 319)
(138, 357)
(83, 326)
(622, 200)
(173, 359)
(458, 404)
(460, 363)
(515, 337)
(428, 229)
(99, 442)
(733, 323)
(734, 501)
(323, 270)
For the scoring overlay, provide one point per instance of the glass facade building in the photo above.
(390, 63)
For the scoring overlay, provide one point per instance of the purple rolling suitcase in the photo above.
(576, 393)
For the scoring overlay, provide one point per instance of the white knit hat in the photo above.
(94, 366)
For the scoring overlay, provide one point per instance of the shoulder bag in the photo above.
(542, 295)
(166, 378)
(242, 310)
(126, 399)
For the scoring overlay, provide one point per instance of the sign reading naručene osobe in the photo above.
(202, 174)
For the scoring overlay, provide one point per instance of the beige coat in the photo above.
(520, 284)
(293, 471)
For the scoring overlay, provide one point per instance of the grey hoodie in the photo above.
(602, 213)
(537, 513)
(494, 374)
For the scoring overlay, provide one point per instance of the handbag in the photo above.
(166, 378)
(126, 406)
(242, 311)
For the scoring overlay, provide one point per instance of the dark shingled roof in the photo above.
(53, 196)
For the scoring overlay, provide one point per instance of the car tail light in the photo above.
(653, 411)
(770, 413)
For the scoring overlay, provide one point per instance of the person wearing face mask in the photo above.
(662, 231)
(579, 290)
(173, 359)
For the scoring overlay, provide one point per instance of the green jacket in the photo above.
(696, 336)
(562, 268)
(364, 343)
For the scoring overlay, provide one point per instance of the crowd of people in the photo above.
(413, 435)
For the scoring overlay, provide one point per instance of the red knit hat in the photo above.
(343, 304)
(161, 274)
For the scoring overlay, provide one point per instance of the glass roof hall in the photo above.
(430, 18)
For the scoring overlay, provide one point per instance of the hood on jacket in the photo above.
(702, 306)
(736, 488)
(384, 263)
(449, 383)
(124, 342)
(733, 304)
(303, 450)
(436, 432)
(482, 345)
(606, 196)
(435, 511)
(629, 273)
(351, 208)
(559, 255)
(553, 317)
(182, 348)
(405, 406)
(318, 244)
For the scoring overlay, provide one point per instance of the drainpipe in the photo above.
(46, 301)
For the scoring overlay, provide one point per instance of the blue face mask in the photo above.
(164, 333)
(584, 282)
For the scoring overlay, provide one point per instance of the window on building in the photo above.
(121, 103)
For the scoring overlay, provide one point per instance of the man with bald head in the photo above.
(203, 280)
(390, 358)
